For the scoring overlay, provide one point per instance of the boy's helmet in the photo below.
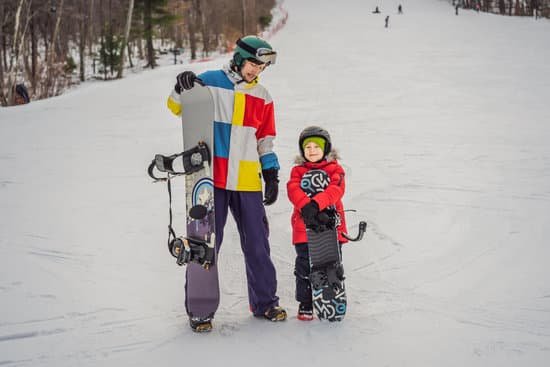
(315, 131)
(254, 49)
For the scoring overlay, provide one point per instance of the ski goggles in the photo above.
(266, 56)
(262, 55)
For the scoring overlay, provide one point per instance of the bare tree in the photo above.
(14, 60)
(125, 38)
(44, 42)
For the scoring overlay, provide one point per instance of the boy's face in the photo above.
(250, 70)
(313, 152)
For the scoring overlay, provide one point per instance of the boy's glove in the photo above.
(271, 179)
(185, 81)
(309, 212)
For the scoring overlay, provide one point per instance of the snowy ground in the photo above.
(442, 122)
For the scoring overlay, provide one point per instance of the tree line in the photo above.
(537, 8)
(47, 45)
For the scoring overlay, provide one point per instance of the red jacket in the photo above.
(331, 196)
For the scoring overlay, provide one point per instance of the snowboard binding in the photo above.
(187, 250)
(329, 278)
(193, 161)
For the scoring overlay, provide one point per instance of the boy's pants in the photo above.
(301, 271)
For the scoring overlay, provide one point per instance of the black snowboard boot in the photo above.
(305, 311)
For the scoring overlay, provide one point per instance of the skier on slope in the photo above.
(243, 153)
(316, 153)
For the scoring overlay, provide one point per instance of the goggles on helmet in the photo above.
(266, 56)
(263, 54)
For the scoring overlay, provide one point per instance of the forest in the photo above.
(49, 45)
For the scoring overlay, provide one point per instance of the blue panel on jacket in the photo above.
(216, 78)
(222, 138)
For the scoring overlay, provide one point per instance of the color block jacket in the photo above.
(332, 195)
(244, 129)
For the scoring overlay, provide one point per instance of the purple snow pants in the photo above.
(202, 289)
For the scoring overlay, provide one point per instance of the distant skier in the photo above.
(400, 9)
(387, 20)
(20, 94)
(316, 153)
(456, 8)
(376, 11)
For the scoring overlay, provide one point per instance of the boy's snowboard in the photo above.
(325, 256)
(202, 287)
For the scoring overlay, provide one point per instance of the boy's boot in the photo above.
(305, 311)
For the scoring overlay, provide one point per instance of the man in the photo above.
(20, 95)
(243, 152)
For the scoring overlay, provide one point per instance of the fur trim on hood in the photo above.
(332, 156)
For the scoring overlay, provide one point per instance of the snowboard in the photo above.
(325, 256)
(202, 286)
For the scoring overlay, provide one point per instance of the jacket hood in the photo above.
(332, 156)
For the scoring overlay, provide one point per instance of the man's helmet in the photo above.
(254, 49)
(315, 131)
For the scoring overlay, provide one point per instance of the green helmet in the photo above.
(254, 49)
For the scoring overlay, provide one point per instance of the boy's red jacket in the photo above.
(331, 196)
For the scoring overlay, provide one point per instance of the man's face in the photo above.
(250, 70)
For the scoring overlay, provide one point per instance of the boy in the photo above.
(316, 153)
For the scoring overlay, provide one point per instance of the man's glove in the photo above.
(185, 81)
(271, 178)
(309, 212)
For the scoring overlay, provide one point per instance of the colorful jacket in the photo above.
(331, 196)
(244, 129)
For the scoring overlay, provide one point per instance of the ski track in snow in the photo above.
(444, 138)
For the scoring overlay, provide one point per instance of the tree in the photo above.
(43, 41)
(125, 38)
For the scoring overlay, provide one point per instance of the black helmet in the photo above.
(316, 131)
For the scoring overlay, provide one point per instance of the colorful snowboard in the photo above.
(325, 256)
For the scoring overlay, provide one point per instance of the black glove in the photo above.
(309, 212)
(271, 178)
(185, 81)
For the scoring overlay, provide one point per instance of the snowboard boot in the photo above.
(305, 311)
(275, 314)
(200, 324)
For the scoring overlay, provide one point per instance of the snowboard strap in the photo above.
(171, 232)
(359, 237)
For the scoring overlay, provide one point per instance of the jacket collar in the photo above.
(333, 156)
(236, 78)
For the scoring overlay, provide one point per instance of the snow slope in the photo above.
(442, 122)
